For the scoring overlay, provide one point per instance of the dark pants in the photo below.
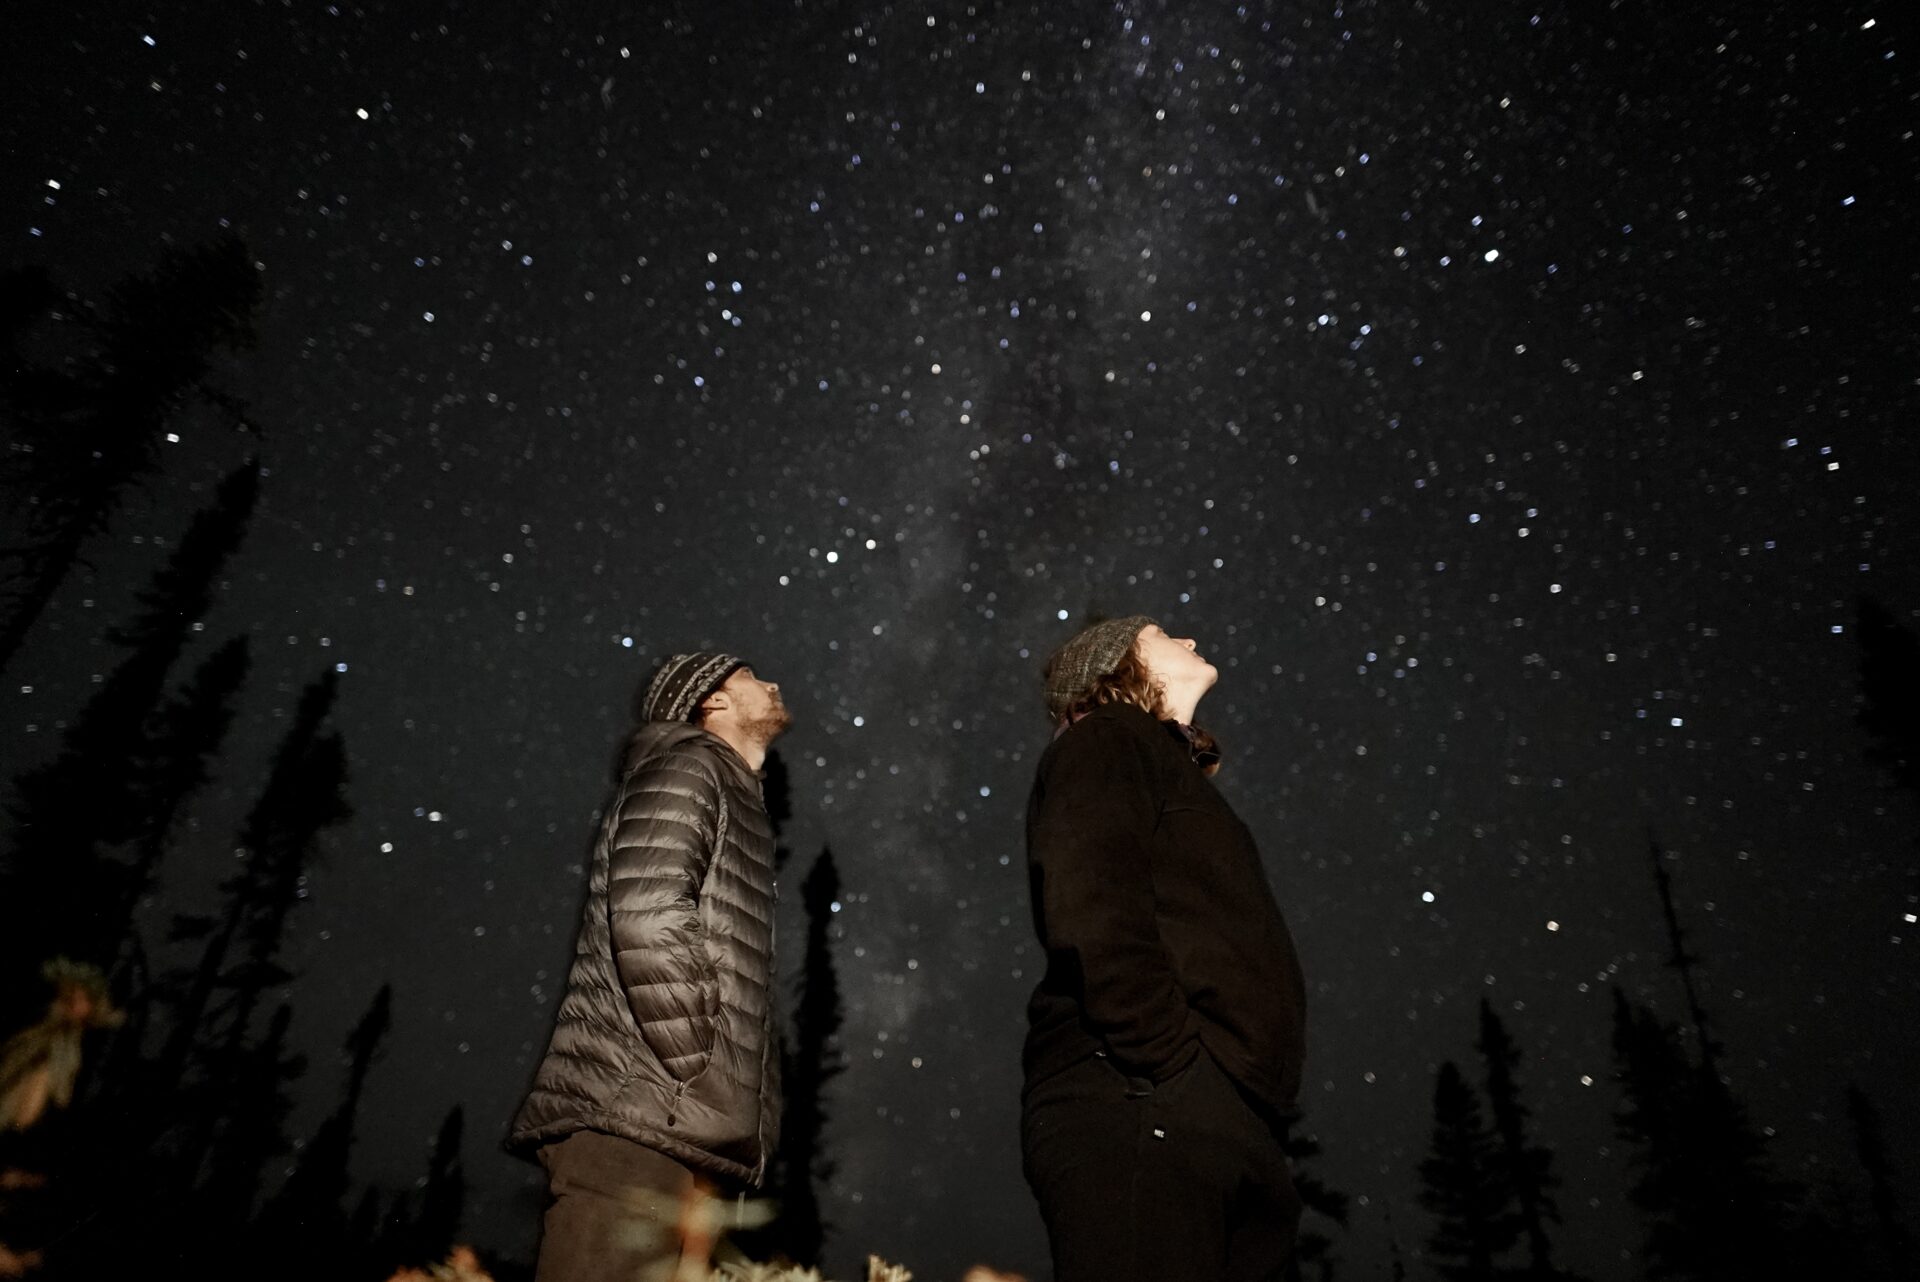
(1135, 1181)
(615, 1212)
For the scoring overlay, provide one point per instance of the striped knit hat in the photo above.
(1088, 655)
(682, 682)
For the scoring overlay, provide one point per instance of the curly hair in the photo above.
(1131, 682)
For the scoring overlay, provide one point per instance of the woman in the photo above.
(1164, 1043)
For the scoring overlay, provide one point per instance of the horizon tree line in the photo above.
(177, 1117)
(1713, 1205)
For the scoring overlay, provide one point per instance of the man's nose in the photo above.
(1190, 643)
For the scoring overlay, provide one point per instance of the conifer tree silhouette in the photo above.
(1653, 1081)
(1715, 1211)
(63, 888)
(1461, 1185)
(445, 1196)
(419, 1232)
(172, 764)
(169, 769)
(775, 792)
(1681, 960)
(1313, 1247)
(1890, 714)
(302, 797)
(375, 1232)
(1890, 693)
(1525, 1168)
(800, 1233)
(185, 1139)
(1893, 1242)
(86, 437)
(308, 1216)
(1397, 1265)
(254, 1130)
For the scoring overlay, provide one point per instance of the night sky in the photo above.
(1513, 401)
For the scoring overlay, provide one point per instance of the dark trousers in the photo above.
(615, 1212)
(1183, 1180)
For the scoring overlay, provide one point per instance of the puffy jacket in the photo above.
(665, 1036)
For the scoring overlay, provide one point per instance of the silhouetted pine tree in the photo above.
(303, 796)
(173, 762)
(1397, 1264)
(774, 790)
(306, 1222)
(1462, 1186)
(83, 438)
(800, 1231)
(1716, 1213)
(370, 1224)
(1890, 693)
(170, 769)
(445, 1196)
(1681, 960)
(1890, 714)
(1894, 1244)
(1770, 1216)
(63, 889)
(1653, 1078)
(1314, 1247)
(1525, 1168)
(87, 436)
(419, 1232)
(254, 1131)
(198, 1073)
(175, 1150)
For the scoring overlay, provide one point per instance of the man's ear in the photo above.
(718, 701)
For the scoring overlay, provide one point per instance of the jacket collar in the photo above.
(1178, 729)
(656, 737)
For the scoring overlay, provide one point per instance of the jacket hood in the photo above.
(659, 738)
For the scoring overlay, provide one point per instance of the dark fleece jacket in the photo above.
(1161, 933)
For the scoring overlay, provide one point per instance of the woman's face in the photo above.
(1175, 662)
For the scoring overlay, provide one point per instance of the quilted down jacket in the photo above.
(665, 1035)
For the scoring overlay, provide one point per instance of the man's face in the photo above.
(755, 705)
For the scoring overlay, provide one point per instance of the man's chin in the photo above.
(767, 729)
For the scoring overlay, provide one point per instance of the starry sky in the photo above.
(1512, 400)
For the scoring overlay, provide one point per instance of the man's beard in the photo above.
(764, 730)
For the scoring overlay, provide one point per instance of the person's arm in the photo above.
(659, 851)
(1091, 839)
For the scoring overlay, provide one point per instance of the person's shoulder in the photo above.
(1121, 713)
(673, 747)
(1110, 728)
(1113, 720)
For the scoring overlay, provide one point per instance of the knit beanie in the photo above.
(1090, 654)
(682, 682)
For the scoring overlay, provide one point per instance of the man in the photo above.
(662, 1074)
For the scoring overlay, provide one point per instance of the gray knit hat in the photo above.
(682, 682)
(1090, 654)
